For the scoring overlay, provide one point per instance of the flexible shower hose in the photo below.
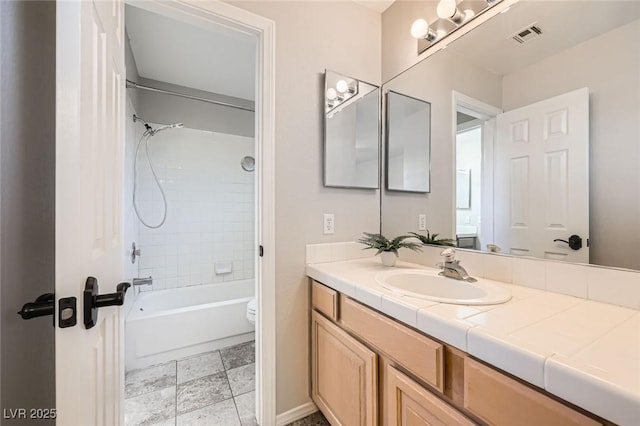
(148, 135)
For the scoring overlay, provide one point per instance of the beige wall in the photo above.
(311, 36)
(609, 65)
(162, 108)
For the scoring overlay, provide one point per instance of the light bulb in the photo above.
(420, 28)
(331, 93)
(448, 9)
(342, 86)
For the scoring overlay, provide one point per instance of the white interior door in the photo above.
(90, 78)
(541, 178)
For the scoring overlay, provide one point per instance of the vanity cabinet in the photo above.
(369, 369)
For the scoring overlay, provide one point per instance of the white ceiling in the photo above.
(217, 60)
(377, 5)
(564, 24)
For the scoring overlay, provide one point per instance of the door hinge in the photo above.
(260, 251)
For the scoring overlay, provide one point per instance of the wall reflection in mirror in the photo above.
(535, 135)
(351, 132)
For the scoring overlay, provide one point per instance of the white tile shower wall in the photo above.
(614, 286)
(210, 214)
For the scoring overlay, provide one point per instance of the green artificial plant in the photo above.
(433, 239)
(381, 243)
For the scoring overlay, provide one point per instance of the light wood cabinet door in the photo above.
(344, 375)
(409, 404)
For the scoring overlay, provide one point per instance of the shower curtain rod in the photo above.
(182, 95)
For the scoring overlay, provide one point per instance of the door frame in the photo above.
(486, 112)
(219, 13)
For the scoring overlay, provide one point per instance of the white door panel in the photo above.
(89, 168)
(542, 178)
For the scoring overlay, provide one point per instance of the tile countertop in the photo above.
(585, 352)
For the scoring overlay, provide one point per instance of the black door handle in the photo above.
(42, 306)
(93, 300)
(575, 242)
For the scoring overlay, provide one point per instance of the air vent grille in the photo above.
(527, 33)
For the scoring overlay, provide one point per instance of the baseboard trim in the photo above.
(297, 413)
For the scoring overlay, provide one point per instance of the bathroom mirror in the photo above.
(351, 132)
(408, 143)
(506, 100)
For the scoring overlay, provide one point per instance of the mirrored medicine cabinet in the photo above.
(351, 132)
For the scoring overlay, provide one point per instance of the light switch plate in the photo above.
(329, 224)
(422, 222)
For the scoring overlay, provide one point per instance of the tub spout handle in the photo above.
(142, 281)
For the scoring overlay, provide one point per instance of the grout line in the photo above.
(237, 411)
(175, 407)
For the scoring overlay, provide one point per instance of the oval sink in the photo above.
(429, 285)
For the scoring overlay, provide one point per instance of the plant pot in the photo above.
(388, 258)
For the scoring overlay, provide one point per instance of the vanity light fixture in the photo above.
(420, 29)
(447, 10)
(343, 91)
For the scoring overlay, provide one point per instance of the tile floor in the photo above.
(215, 388)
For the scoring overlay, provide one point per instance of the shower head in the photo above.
(153, 131)
(168, 126)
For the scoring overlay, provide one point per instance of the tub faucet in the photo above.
(142, 281)
(451, 267)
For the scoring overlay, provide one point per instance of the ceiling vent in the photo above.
(528, 33)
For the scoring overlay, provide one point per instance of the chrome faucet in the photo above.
(451, 267)
(142, 281)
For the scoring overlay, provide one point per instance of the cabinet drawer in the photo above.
(415, 352)
(500, 400)
(324, 300)
(409, 404)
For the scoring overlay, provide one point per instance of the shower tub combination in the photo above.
(170, 324)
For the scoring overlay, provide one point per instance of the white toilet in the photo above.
(251, 311)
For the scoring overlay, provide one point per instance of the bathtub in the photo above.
(164, 325)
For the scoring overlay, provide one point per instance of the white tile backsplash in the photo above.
(499, 268)
(210, 216)
(332, 252)
(613, 286)
(529, 273)
(566, 278)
